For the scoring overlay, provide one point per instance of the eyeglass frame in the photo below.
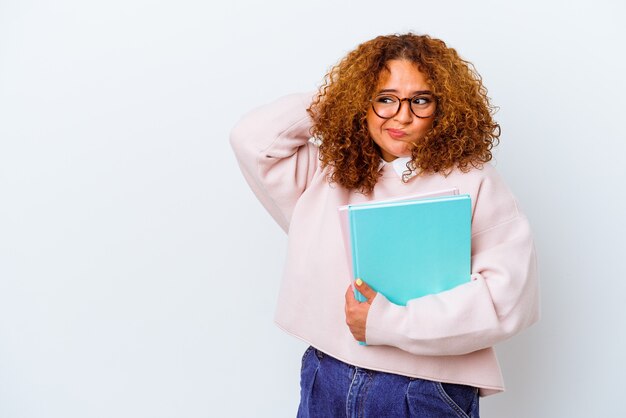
(408, 99)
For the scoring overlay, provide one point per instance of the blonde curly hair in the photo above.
(463, 132)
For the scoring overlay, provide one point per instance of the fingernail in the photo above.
(359, 282)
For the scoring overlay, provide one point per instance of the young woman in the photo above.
(399, 115)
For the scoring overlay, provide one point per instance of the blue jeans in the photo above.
(330, 388)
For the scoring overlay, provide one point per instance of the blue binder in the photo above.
(409, 249)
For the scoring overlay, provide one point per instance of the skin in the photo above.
(356, 312)
(394, 136)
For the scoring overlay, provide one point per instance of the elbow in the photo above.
(518, 322)
(237, 138)
(495, 333)
(528, 311)
(244, 146)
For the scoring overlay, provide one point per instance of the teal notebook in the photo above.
(414, 248)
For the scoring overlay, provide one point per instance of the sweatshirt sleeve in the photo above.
(501, 299)
(272, 146)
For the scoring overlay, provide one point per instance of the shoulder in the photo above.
(485, 171)
(493, 202)
(478, 180)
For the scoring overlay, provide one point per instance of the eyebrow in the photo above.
(415, 93)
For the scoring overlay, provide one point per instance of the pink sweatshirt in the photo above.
(445, 337)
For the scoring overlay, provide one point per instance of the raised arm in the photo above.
(273, 150)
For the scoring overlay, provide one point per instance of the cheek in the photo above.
(424, 127)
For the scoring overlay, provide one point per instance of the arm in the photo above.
(272, 147)
(500, 300)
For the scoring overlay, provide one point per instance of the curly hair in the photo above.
(463, 131)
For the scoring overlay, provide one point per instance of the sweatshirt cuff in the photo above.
(381, 314)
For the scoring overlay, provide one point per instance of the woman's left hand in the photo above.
(356, 312)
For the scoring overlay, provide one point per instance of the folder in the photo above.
(411, 248)
(344, 220)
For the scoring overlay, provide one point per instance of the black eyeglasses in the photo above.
(387, 106)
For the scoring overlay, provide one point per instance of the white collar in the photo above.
(399, 166)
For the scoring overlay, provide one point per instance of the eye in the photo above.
(421, 100)
(386, 99)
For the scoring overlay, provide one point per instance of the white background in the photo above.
(138, 274)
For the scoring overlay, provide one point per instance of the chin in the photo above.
(401, 154)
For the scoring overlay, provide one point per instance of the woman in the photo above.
(399, 115)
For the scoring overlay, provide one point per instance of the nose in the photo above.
(404, 114)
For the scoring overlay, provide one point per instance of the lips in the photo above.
(396, 133)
